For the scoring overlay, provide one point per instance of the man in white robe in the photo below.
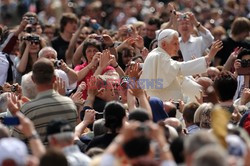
(167, 72)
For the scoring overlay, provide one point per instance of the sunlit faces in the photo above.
(90, 52)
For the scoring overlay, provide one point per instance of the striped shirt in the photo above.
(47, 106)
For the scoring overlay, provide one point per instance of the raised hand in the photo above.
(139, 42)
(92, 86)
(89, 116)
(134, 71)
(13, 104)
(216, 47)
(95, 59)
(77, 98)
(107, 40)
(59, 86)
(105, 59)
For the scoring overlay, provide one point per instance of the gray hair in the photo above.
(210, 155)
(28, 86)
(205, 107)
(3, 102)
(43, 50)
(197, 140)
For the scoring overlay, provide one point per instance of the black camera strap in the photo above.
(10, 74)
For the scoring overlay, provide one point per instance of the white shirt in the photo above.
(165, 73)
(196, 46)
(61, 74)
(4, 66)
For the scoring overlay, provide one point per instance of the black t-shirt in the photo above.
(60, 46)
(147, 41)
(101, 141)
(228, 47)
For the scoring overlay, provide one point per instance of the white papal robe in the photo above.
(159, 66)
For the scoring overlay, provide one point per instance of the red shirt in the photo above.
(87, 77)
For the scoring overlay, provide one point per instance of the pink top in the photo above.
(87, 77)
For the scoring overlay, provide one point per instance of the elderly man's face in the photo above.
(49, 55)
(172, 48)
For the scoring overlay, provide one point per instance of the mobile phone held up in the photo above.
(11, 121)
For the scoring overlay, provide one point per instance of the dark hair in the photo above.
(154, 21)
(225, 85)
(53, 157)
(66, 18)
(177, 149)
(90, 42)
(137, 57)
(243, 53)
(114, 112)
(139, 114)
(43, 71)
(137, 147)
(188, 112)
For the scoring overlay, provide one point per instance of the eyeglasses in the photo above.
(35, 42)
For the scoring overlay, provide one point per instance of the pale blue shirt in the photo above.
(196, 46)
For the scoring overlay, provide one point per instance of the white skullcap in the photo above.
(166, 33)
(15, 149)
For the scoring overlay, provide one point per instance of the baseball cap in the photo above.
(13, 149)
(58, 126)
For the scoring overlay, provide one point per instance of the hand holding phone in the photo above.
(11, 121)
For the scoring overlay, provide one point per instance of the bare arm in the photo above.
(77, 55)
(27, 128)
(70, 51)
(21, 66)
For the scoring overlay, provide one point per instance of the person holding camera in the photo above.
(29, 48)
(190, 45)
(62, 70)
(242, 71)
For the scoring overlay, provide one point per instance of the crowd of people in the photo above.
(123, 82)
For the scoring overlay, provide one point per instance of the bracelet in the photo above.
(116, 66)
(199, 24)
(33, 136)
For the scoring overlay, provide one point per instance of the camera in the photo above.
(245, 63)
(13, 88)
(245, 67)
(177, 105)
(143, 130)
(99, 38)
(57, 63)
(183, 16)
(31, 20)
(34, 39)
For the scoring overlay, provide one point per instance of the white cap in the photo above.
(14, 149)
(166, 33)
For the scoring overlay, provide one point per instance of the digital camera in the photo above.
(31, 20)
(13, 88)
(32, 38)
(57, 63)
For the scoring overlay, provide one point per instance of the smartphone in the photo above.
(11, 121)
